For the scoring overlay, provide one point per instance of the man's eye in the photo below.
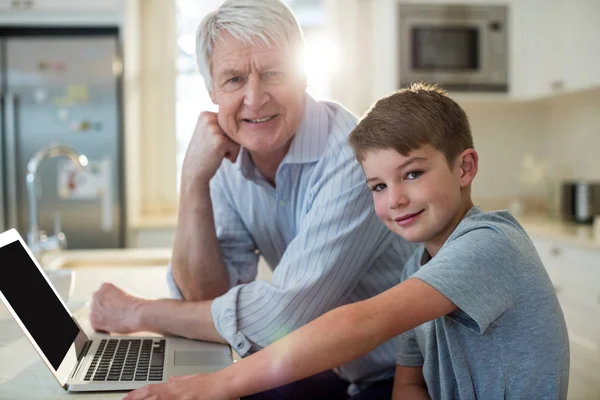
(378, 188)
(273, 75)
(235, 79)
(413, 175)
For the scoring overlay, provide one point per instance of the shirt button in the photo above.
(281, 203)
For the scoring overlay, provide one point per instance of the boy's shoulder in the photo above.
(499, 222)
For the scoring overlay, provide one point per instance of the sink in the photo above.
(106, 258)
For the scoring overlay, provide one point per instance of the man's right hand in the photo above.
(114, 310)
(207, 148)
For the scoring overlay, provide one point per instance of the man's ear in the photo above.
(469, 164)
(213, 97)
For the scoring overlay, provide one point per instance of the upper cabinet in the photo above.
(555, 47)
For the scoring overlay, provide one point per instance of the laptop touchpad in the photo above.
(197, 358)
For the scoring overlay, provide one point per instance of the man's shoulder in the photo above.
(341, 120)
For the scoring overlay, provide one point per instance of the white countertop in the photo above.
(23, 375)
(584, 236)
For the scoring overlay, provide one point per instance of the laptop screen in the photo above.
(33, 300)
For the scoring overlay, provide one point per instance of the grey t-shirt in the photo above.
(508, 339)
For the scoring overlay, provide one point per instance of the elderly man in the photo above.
(291, 191)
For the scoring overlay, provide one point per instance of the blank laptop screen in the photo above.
(35, 303)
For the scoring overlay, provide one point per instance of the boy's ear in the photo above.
(469, 164)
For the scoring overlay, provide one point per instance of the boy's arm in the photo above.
(409, 383)
(335, 338)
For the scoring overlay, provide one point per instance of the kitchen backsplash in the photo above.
(528, 148)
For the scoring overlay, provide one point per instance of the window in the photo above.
(191, 94)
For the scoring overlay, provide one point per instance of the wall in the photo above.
(506, 134)
(571, 135)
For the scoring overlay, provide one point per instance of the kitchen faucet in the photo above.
(37, 240)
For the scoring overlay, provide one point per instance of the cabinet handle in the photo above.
(555, 251)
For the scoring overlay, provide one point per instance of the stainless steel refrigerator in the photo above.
(63, 86)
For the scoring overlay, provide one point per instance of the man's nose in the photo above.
(256, 94)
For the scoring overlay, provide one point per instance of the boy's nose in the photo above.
(256, 96)
(397, 198)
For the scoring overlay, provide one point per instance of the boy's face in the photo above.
(419, 196)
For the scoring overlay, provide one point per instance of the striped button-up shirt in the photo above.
(318, 232)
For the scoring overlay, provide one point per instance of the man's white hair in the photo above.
(253, 22)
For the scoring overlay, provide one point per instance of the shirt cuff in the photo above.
(223, 310)
(173, 289)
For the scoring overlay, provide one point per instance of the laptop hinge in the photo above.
(81, 357)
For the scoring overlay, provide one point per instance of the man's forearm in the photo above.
(190, 319)
(197, 264)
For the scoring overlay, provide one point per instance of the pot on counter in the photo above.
(580, 201)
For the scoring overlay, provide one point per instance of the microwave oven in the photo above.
(460, 47)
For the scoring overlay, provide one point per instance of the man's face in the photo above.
(417, 196)
(260, 94)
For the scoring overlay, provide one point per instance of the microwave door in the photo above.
(450, 53)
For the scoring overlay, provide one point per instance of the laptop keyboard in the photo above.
(128, 360)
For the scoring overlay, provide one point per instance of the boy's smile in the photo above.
(419, 196)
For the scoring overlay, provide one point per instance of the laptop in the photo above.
(101, 362)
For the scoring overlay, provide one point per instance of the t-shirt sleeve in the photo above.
(477, 270)
(408, 353)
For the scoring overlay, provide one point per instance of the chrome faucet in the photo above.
(37, 240)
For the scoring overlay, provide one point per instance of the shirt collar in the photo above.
(308, 144)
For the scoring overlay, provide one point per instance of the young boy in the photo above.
(476, 313)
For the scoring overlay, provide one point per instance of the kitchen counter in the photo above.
(566, 232)
(106, 258)
(23, 375)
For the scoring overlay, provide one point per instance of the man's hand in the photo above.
(189, 387)
(113, 310)
(207, 148)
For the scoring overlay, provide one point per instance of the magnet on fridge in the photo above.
(40, 95)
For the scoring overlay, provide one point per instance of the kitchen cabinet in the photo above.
(575, 274)
(555, 47)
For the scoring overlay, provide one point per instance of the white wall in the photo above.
(504, 133)
(571, 135)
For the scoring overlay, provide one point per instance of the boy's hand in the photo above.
(207, 148)
(189, 387)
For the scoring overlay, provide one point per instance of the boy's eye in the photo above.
(413, 175)
(378, 188)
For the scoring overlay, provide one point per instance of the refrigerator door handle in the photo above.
(3, 226)
(11, 105)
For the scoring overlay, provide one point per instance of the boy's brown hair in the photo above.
(410, 118)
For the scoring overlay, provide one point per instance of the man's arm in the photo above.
(339, 240)
(197, 264)
(409, 384)
(337, 337)
(114, 310)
